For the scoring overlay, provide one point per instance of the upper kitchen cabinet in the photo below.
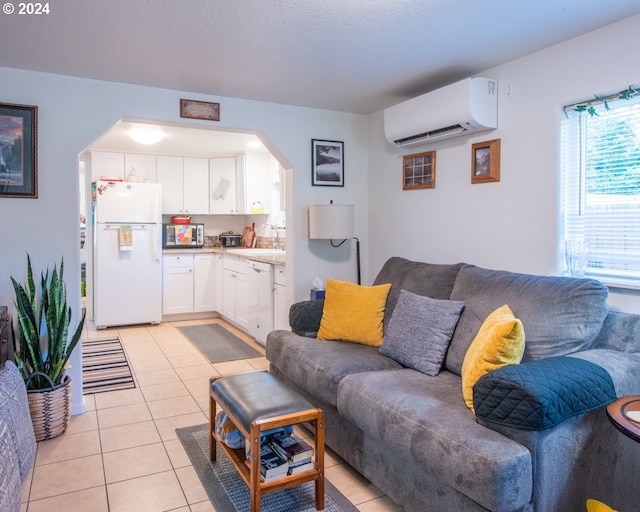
(144, 167)
(241, 184)
(226, 179)
(185, 184)
(105, 165)
(196, 185)
(259, 183)
(171, 176)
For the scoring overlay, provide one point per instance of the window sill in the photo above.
(616, 282)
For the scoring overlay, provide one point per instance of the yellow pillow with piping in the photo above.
(353, 312)
(598, 506)
(499, 342)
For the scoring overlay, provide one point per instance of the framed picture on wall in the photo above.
(193, 109)
(18, 151)
(485, 161)
(327, 163)
(419, 171)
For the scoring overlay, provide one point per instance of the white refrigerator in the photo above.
(127, 254)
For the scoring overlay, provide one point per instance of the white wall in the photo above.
(73, 112)
(512, 224)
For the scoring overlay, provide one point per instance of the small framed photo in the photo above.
(419, 171)
(18, 151)
(327, 163)
(205, 110)
(485, 161)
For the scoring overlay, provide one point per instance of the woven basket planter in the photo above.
(50, 409)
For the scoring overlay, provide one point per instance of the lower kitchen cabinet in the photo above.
(280, 301)
(218, 269)
(234, 291)
(208, 282)
(189, 283)
(177, 284)
(204, 282)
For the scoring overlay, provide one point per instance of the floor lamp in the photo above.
(334, 222)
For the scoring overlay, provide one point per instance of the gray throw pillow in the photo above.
(428, 279)
(420, 330)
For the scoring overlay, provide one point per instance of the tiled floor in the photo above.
(123, 455)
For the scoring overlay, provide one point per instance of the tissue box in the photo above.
(317, 294)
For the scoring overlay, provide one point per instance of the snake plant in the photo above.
(41, 343)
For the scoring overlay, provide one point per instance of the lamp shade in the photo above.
(331, 221)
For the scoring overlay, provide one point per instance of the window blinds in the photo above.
(600, 189)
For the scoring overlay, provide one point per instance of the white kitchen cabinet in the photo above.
(177, 284)
(219, 266)
(106, 165)
(226, 181)
(228, 308)
(239, 183)
(242, 300)
(185, 184)
(260, 175)
(234, 291)
(170, 175)
(196, 185)
(144, 166)
(189, 283)
(280, 302)
(204, 282)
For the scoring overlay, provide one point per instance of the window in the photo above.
(600, 168)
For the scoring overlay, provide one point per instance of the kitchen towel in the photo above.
(221, 189)
(125, 237)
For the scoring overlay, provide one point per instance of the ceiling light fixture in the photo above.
(146, 134)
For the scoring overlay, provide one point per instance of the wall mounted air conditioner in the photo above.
(462, 108)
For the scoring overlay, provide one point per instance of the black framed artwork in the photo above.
(327, 163)
(18, 151)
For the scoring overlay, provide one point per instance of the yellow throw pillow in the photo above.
(499, 342)
(598, 506)
(353, 313)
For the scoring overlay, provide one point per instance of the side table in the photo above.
(616, 413)
(256, 402)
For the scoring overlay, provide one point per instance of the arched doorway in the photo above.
(116, 154)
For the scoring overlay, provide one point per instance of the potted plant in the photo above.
(42, 349)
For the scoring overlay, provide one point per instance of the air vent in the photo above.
(431, 135)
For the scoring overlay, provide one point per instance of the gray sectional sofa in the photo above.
(540, 439)
(17, 441)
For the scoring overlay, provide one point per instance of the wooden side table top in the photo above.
(616, 412)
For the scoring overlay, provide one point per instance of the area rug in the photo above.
(218, 344)
(228, 492)
(105, 366)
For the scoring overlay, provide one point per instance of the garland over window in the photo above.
(589, 106)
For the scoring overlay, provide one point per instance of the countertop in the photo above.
(272, 259)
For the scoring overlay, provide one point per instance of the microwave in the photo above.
(180, 236)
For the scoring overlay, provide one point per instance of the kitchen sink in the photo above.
(256, 251)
